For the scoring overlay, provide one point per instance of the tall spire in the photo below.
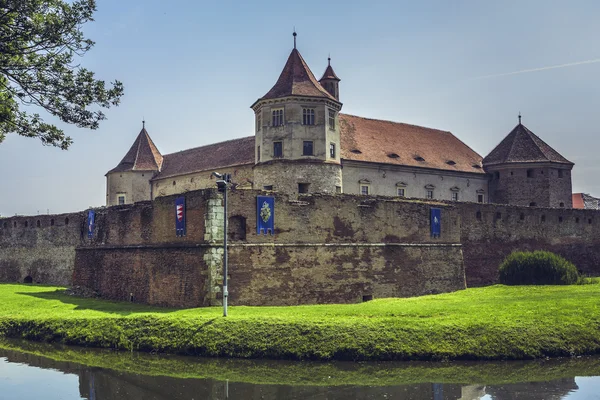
(142, 156)
(330, 81)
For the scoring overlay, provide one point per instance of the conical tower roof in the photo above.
(329, 73)
(142, 156)
(297, 79)
(523, 146)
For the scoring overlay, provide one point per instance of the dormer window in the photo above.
(450, 162)
(419, 158)
(393, 155)
(308, 116)
(356, 151)
(277, 117)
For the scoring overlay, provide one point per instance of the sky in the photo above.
(192, 69)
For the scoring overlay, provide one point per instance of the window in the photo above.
(258, 121)
(277, 149)
(498, 215)
(307, 148)
(338, 189)
(530, 173)
(478, 215)
(52, 222)
(560, 219)
(67, 221)
(532, 204)
(400, 192)
(480, 198)
(454, 196)
(258, 153)
(364, 189)
(308, 116)
(38, 224)
(278, 117)
(332, 150)
(121, 200)
(496, 175)
(303, 187)
(332, 119)
(543, 218)
(429, 194)
(268, 187)
(560, 173)
(562, 205)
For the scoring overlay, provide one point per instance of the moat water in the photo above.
(37, 371)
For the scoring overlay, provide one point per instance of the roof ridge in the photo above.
(211, 144)
(396, 122)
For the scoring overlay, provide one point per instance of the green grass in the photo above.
(497, 322)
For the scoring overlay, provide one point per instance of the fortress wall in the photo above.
(574, 234)
(326, 249)
(41, 247)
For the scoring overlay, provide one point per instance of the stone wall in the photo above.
(326, 249)
(385, 181)
(243, 175)
(40, 248)
(134, 185)
(490, 232)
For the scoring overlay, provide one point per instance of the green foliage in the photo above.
(39, 40)
(537, 268)
(497, 322)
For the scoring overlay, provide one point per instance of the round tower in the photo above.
(297, 133)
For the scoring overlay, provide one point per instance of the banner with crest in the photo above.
(180, 216)
(265, 215)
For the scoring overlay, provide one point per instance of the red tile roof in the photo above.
(142, 156)
(523, 146)
(329, 73)
(372, 140)
(578, 200)
(296, 79)
(211, 157)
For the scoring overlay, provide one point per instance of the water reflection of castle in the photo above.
(98, 383)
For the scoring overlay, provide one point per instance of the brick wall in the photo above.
(490, 232)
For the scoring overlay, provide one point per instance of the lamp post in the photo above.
(222, 184)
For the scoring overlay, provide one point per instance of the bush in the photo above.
(537, 268)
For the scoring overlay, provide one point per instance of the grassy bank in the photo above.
(497, 322)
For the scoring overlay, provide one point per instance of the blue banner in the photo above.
(265, 215)
(180, 216)
(91, 223)
(436, 222)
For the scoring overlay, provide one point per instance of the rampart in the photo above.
(326, 249)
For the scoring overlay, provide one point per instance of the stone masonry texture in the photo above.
(326, 248)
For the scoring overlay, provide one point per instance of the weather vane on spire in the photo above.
(143, 123)
(295, 34)
(519, 117)
(329, 59)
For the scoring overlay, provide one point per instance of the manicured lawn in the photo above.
(497, 322)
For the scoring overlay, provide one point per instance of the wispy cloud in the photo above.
(525, 71)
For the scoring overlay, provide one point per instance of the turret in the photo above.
(129, 182)
(297, 133)
(526, 171)
(330, 81)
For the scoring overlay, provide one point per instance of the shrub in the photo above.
(537, 268)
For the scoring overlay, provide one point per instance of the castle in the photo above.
(342, 232)
(304, 144)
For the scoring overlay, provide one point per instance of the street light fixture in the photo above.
(222, 184)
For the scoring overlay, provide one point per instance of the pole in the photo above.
(225, 294)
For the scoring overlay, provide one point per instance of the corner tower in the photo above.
(297, 145)
(330, 81)
(129, 182)
(525, 171)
